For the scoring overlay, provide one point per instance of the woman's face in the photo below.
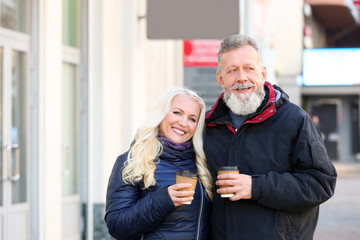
(180, 122)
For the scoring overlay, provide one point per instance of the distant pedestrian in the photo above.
(285, 171)
(316, 120)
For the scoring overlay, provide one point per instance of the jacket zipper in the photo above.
(201, 211)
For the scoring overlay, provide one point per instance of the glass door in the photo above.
(71, 201)
(70, 156)
(2, 168)
(13, 164)
(14, 48)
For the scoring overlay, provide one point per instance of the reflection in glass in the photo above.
(71, 10)
(18, 126)
(70, 129)
(15, 15)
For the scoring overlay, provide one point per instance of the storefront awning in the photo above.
(340, 18)
(335, 14)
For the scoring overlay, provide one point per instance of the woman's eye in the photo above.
(193, 120)
(176, 113)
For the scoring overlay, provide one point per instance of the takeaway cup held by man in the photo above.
(187, 177)
(227, 169)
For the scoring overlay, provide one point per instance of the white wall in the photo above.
(50, 118)
(288, 46)
(127, 74)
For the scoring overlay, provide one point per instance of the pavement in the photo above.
(339, 217)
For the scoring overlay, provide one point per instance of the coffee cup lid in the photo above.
(186, 173)
(227, 168)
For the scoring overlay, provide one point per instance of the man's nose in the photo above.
(241, 76)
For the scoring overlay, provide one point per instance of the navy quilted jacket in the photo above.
(133, 213)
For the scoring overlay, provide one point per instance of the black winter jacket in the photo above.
(133, 213)
(281, 148)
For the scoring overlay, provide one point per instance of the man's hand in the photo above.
(240, 184)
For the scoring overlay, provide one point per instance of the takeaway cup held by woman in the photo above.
(187, 177)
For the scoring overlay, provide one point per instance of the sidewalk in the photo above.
(340, 216)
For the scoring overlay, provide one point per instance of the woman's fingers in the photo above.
(180, 196)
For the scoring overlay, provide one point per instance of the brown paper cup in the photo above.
(187, 177)
(227, 169)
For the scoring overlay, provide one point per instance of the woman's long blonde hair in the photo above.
(140, 164)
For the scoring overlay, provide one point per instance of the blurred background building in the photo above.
(77, 77)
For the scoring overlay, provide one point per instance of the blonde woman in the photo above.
(143, 201)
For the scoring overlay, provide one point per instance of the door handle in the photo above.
(13, 156)
(66, 149)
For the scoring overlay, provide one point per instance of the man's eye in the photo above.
(232, 70)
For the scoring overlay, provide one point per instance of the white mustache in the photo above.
(240, 86)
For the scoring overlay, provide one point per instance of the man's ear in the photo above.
(219, 79)
(264, 74)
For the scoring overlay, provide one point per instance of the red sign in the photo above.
(356, 2)
(199, 53)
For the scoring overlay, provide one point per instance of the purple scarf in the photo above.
(177, 146)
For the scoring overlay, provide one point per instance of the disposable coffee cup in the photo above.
(187, 177)
(227, 169)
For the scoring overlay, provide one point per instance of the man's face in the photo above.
(242, 77)
(241, 72)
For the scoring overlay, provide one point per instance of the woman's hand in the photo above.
(178, 196)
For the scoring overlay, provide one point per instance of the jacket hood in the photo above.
(281, 96)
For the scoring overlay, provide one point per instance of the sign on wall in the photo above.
(192, 19)
(331, 66)
(202, 53)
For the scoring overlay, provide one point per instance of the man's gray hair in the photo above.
(237, 41)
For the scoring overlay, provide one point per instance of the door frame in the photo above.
(14, 41)
(338, 103)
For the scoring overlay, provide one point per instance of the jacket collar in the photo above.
(219, 113)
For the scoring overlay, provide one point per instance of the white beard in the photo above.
(246, 103)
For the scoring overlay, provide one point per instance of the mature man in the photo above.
(285, 172)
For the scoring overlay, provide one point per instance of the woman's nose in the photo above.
(182, 121)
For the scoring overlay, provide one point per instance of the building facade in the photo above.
(77, 77)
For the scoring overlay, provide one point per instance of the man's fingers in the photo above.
(228, 176)
(226, 183)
